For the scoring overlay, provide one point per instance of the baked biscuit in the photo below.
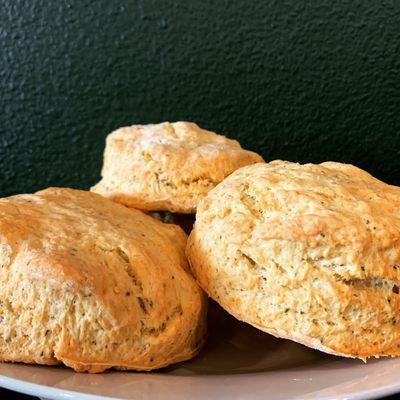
(305, 252)
(167, 166)
(94, 285)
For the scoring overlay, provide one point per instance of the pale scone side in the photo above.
(310, 253)
(94, 285)
(167, 166)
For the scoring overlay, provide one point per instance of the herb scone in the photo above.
(167, 166)
(94, 285)
(305, 252)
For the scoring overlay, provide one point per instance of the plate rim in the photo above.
(47, 392)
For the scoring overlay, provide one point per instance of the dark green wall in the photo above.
(304, 81)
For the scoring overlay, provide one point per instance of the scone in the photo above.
(94, 285)
(167, 166)
(305, 252)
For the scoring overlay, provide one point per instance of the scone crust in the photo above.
(94, 285)
(306, 252)
(167, 166)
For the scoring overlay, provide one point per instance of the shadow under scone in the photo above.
(234, 347)
(185, 221)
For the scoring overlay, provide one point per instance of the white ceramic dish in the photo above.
(238, 362)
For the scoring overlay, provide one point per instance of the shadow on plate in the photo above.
(234, 347)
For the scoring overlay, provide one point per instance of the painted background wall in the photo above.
(304, 81)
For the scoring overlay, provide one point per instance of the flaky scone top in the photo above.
(167, 166)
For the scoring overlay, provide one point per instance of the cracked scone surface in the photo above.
(305, 252)
(94, 285)
(167, 166)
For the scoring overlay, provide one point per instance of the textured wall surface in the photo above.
(304, 81)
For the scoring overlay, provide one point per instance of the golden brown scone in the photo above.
(167, 166)
(94, 285)
(305, 252)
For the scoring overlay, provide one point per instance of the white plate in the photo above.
(238, 362)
